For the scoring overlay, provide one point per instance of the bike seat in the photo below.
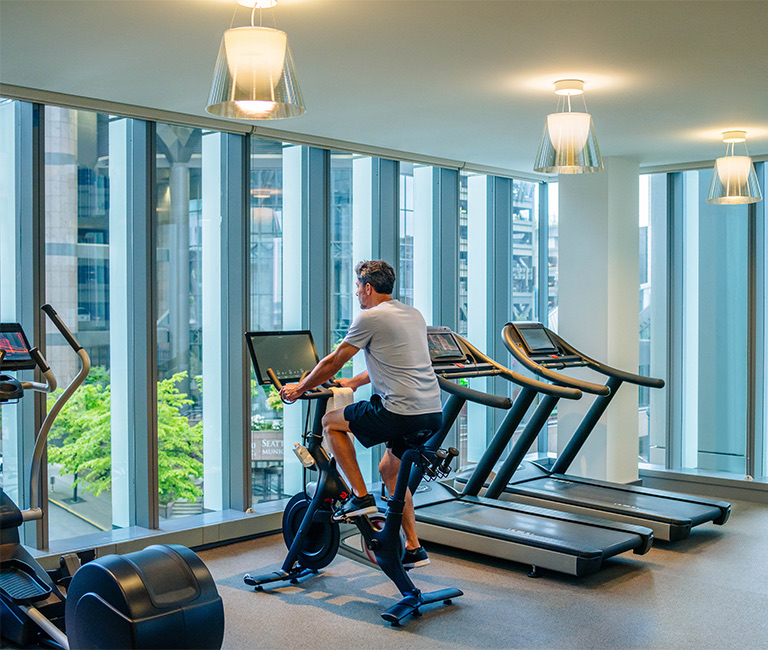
(418, 438)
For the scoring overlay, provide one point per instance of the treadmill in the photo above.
(543, 538)
(670, 515)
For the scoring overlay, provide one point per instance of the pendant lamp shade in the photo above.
(254, 77)
(569, 144)
(733, 179)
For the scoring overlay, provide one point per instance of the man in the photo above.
(406, 395)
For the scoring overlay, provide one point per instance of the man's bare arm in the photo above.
(355, 382)
(323, 371)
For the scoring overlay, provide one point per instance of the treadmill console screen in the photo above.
(536, 339)
(444, 348)
(289, 354)
(16, 347)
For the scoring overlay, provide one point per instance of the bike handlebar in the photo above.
(312, 393)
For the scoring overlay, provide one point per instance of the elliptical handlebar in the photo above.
(35, 510)
(59, 325)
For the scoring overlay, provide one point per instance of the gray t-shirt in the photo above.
(394, 339)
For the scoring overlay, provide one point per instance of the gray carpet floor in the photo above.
(709, 591)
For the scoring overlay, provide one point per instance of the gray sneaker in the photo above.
(415, 557)
(355, 507)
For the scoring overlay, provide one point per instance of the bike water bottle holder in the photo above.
(436, 464)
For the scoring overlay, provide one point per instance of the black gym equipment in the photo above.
(670, 515)
(159, 597)
(542, 538)
(309, 532)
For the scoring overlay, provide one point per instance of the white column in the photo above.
(294, 270)
(119, 304)
(213, 364)
(423, 245)
(362, 238)
(690, 367)
(479, 304)
(598, 307)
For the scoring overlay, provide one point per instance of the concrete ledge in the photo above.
(205, 530)
(717, 486)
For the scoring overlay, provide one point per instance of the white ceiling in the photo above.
(466, 80)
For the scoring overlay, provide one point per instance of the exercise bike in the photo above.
(310, 533)
(160, 597)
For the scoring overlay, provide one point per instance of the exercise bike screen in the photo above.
(289, 354)
(537, 340)
(16, 347)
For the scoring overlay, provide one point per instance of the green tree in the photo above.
(81, 438)
(180, 446)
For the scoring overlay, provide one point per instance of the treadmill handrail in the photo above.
(586, 386)
(486, 399)
(555, 390)
(623, 375)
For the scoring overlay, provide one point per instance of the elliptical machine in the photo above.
(159, 597)
(311, 535)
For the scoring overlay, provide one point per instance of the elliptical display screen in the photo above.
(16, 347)
(536, 339)
(443, 348)
(289, 354)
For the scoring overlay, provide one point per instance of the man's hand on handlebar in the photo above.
(291, 392)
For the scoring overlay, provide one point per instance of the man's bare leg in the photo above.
(336, 432)
(389, 467)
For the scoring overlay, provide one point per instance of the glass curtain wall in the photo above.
(77, 282)
(714, 322)
(405, 272)
(525, 249)
(11, 470)
(652, 404)
(761, 329)
(266, 264)
(342, 264)
(552, 264)
(179, 289)
(463, 269)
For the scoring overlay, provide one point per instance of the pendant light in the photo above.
(254, 77)
(733, 179)
(569, 145)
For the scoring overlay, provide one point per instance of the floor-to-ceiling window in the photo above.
(179, 288)
(77, 285)
(342, 263)
(405, 272)
(12, 467)
(700, 298)
(550, 320)
(266, 264)
(652, 403)
(761, 328)
(714, 323)
(525, 257)
(463, 251)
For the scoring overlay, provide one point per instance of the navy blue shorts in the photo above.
(372, 424)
